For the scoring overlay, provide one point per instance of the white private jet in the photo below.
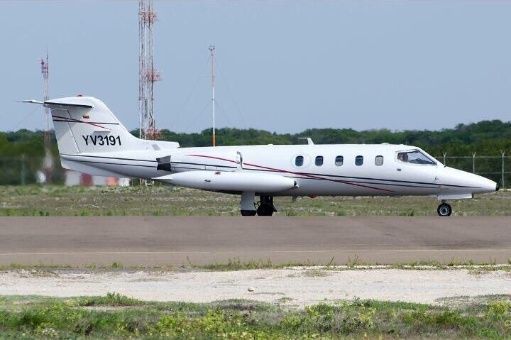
(92, 140)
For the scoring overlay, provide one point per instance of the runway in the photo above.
(158, 241)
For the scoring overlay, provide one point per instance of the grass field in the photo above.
(172, 201)
(120, 316)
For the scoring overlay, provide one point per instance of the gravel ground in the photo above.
(293, 286)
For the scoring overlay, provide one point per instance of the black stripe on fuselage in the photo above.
(109, 157)
(298, 175)
(205, 165)
(152, 161)
(94, 162)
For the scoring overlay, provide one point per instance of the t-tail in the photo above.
(86, 126)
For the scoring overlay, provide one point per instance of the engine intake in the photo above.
(164, 163)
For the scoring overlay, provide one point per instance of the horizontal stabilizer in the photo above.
(32, 101)
(55, 104)
(64, 105)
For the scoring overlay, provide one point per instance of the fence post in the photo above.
(473, 162)
(503, 172)
(445, 156)
(22, 172)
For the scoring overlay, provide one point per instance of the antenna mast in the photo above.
(48, 158)
(148, 75)
(213, 104)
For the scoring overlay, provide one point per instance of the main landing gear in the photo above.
(248, 208)
(266, 207)
(247, 204)
(444, 209)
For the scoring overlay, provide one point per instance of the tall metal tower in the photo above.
(213, 103)
(48, 157)
(148, 75)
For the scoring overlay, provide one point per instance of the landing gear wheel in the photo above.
(265, 210)
(247, 207)
(444, 209)
(266, 207)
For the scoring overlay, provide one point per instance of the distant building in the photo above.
(74, 178)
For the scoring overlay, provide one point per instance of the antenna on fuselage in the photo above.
(240, 160)
(308, 139)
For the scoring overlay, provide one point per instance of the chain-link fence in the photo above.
(21, 170)
(496, 168)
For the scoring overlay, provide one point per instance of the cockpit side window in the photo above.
(415, 157)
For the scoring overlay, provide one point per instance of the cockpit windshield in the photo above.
(415, 157)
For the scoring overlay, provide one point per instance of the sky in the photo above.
(283, 65)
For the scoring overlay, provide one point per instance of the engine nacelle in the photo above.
(240, 181)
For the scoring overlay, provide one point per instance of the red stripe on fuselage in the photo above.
(307, 176)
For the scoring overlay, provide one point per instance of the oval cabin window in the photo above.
(359, 160)
(339, 160)
(299, 160)
(319, 161)
(378, 160)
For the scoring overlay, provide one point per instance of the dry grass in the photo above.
(172, 201)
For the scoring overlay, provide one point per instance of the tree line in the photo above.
(489, 138)
(484, 138)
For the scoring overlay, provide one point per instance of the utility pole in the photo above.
(48, 157)
(213, 104)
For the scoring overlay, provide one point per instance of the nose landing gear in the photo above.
(444, 209)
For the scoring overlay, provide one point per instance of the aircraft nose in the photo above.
(488, 185)
(476, 184)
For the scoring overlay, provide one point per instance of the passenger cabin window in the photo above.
(378, 160)
(299, 160)
(319, 161)
(415, 157)
(339, 160)
(359, 160)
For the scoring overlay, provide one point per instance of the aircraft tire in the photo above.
(265, 210)
(444, 210)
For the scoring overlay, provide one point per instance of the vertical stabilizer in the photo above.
(86, 125)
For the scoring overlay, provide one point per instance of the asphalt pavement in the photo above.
(157, 241)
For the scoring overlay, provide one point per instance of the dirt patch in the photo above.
(267, 285)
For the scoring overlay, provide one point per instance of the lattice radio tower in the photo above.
(148, 75)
